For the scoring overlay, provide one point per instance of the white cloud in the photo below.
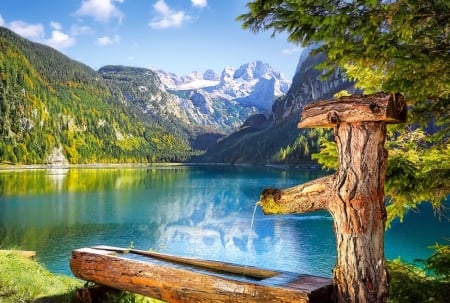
(30, 31)
(291, 51)
(199, 3)
(167, 17)
(2, 21)
(77, 30)
(55, 25)
(105, 40)
(100, 10)
(60, 40)
(35, 32)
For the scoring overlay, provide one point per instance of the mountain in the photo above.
(309, 84)
(277, 139)
(198, 103)
(56, 110)
(253, 84)
(223, 102)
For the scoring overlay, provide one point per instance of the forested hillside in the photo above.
(57, 110)
(141, 90)
(54, 109)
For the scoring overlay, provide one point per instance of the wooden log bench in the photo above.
(180, 279)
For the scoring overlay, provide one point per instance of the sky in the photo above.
(178, 36)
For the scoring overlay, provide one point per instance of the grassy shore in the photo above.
(25, 280)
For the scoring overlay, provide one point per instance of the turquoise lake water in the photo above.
(197, 211)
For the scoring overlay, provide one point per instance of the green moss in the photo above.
(269, 204)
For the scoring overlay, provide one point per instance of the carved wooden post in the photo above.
(354, 195)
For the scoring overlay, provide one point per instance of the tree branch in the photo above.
(303, 198)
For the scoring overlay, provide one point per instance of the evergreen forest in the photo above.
(50, 103)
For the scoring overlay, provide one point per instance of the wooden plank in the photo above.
(180, 279)
(252, 271)
(30, 254)
(356, 108)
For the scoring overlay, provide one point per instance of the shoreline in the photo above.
(24, 167)
(16, 167)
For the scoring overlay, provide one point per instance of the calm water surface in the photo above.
(198, 211)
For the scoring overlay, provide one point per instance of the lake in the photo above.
(196, 211)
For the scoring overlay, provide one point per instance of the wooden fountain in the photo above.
(354, 196)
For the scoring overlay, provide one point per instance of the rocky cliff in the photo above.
(275, 138)
(308, 84)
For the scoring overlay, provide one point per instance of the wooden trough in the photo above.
(179, 279)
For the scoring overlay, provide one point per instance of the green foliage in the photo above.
(410, 284)
(439, 262)
(406, 41)
(396, 46)
(417, 171)
(327, 157)
(126, 297)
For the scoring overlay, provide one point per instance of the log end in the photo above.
(269, 201)
(390, 108)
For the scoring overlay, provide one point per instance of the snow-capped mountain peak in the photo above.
(255, 70)
(253, 84)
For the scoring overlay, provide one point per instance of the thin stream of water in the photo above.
(249, 236)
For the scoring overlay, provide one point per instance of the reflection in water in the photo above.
(200, 211)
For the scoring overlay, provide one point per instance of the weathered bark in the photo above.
(310, 196)
(356, 108)
(359, 213)
(184, 280)
(354, 195)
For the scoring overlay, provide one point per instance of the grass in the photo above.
(25, 280)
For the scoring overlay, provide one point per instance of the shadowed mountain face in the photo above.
(271, 140)
(309, 84)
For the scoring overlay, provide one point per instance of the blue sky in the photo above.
(178, 36)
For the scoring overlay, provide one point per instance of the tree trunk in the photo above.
(357, 207)
(354, 195)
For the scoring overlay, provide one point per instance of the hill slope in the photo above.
(56, 110)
